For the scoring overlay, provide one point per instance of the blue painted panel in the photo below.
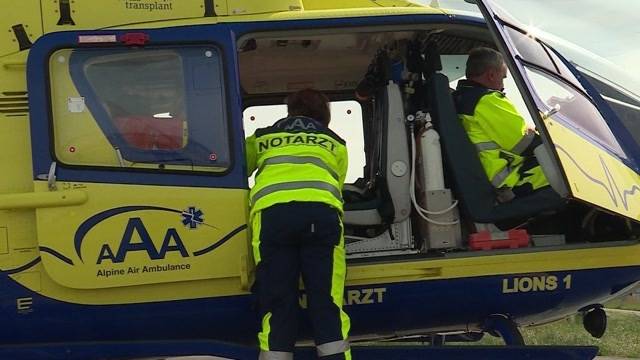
(138, 350)
(403, 306)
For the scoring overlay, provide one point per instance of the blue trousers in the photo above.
(289, 240)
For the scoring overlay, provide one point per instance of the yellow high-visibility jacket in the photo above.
(500, 135)
(298, 159)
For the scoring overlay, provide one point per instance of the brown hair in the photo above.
(311, 103)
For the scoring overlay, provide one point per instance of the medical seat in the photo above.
(477, 195)
(388, 200)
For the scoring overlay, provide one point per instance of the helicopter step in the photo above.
(165, 350)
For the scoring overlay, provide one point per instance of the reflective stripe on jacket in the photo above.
(298, 159)
(497, 130)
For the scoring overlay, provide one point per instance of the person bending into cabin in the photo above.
(504, 142)
(296, 222)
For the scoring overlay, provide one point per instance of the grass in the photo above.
(621, 339)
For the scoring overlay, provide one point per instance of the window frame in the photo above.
(567, 74)
(151, 167)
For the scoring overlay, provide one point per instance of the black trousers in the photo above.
(289, 240)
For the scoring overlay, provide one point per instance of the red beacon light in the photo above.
(135, 38)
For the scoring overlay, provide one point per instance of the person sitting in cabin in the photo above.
(296, 222)
(504, 142)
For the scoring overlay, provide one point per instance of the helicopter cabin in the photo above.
(394, 204)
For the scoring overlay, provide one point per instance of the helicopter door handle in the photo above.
(551, 112)
(50, 177)
(14, 65)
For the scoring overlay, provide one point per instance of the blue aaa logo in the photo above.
(137, 238)
(192, 217)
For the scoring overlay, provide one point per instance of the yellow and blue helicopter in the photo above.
(123, 200)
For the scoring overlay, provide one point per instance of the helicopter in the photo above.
(124, 199)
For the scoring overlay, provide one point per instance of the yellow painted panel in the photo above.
(357, 275)
(244, 7)
(221, 7)
(396, 3)
(13, 74)
(23, 244)
(540, 261)
(133, 294)
(339, 4)
(4, 241)
(231, 262)
(15, 154)
(92, 14)
(17, 236)
(335, 14)
(294, 15)
(15, 144)
(25, 12)
(128, 235)
(30, 279)
(594, 175)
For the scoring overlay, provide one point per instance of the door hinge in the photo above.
(209, 8)
(21, 36)
(65, 13)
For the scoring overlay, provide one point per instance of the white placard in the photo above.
(75, 104)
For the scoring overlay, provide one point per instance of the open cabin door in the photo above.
(591, 150)
(135, 140)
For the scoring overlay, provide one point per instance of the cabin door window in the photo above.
(160, 108)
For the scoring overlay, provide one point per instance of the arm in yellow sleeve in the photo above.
(250, 153)
(343, 165)
(500, 120)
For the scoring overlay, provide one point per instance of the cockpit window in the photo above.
(537, 53)
(556, 85)
(574, 108)
(161, 108)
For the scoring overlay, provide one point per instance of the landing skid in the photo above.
(166, 350)
(502, 326)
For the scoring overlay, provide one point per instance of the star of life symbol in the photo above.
(192, 217)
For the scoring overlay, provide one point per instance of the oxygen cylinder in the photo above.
(432, 172)
(440, 225)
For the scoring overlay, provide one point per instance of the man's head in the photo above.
(310, 103)
(487, 67)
